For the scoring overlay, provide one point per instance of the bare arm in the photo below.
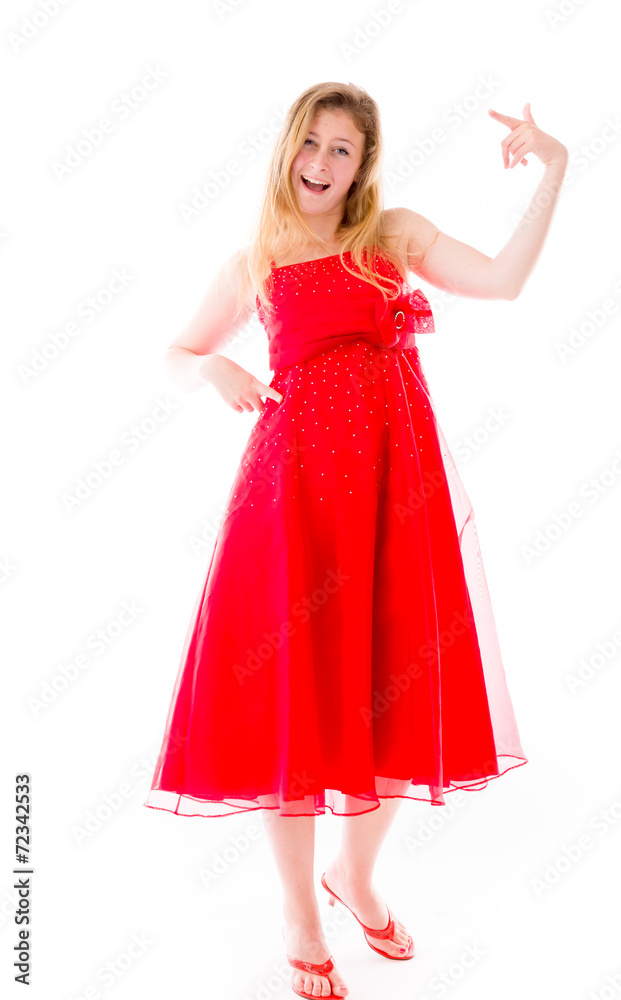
(463, 270)
(192, 355)
(191, 360)
(519, 255)
(449, 264)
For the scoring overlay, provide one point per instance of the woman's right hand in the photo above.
(239, 388)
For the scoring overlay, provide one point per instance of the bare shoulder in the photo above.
(445, 262)
(409, 232)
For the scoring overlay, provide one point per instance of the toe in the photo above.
(338, 986)
(306, 985)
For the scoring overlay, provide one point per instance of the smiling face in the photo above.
(331, 155)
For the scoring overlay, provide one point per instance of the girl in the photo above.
(343, 652)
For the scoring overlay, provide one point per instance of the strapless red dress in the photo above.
(343, 647)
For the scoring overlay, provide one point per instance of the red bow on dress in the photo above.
(399, 320)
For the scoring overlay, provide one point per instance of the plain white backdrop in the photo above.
(509, 891)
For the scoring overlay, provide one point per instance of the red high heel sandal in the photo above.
(386, 933)
(316, 970)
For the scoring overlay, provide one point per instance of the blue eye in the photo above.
(346, 151)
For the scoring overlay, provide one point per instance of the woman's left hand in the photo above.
(525, 137)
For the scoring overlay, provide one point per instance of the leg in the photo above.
(292, 839)
(350, 874)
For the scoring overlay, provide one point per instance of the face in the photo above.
(332, 153)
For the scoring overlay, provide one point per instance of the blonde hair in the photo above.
(281, 230)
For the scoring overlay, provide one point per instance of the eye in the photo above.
(346, 151)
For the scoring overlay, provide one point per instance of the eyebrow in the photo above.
(337, 139)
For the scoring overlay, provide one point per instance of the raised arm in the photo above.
(462, 269)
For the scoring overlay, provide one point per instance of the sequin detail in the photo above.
(343, 647)
(344, 308)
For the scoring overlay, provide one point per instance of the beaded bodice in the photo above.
(318, 303)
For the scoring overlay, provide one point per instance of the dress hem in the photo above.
(468, 785)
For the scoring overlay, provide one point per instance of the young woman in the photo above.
(342, 652)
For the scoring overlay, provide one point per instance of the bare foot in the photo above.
(370, 909)
(304, 940)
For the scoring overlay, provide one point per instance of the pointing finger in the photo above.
(506, 119)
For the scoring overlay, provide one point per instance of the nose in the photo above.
(318, 161)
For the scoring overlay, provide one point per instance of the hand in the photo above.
(525, 137)
(241, 390)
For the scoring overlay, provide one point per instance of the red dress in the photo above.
(343, 648)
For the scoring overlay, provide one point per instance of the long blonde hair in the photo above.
(281, 229)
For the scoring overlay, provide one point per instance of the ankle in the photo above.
(304, 912)
(352, 879)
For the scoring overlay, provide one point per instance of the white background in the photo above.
(490, 871)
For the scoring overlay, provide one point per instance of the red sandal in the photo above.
(316, 970)
(386, 933)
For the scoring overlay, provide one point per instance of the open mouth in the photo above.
(316, 186)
